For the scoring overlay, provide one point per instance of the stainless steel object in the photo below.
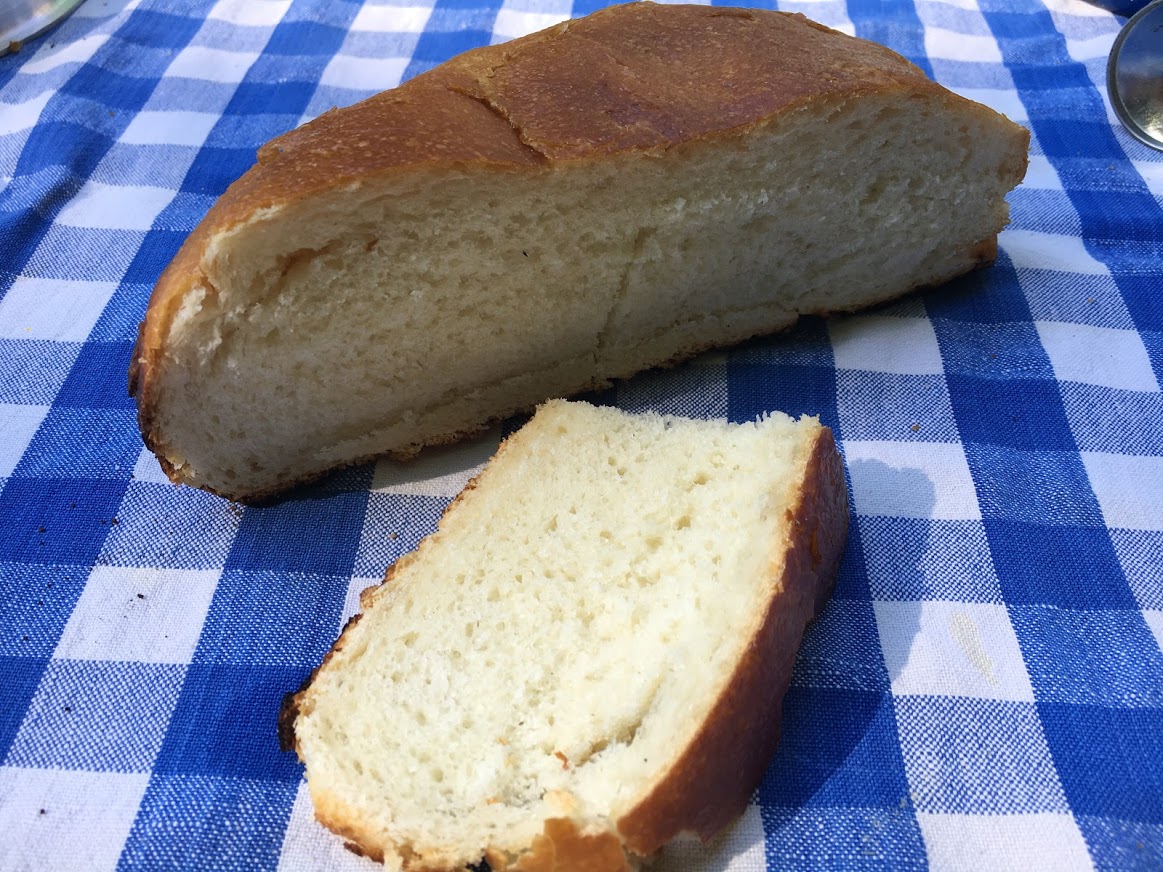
(1134, 75)
(21, 20)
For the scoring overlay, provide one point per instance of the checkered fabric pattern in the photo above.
(985, 690)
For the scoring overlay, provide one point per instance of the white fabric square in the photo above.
(307, 844)
(1093, 355)
(934, 648)
(512, 23)
(1154, 620)
(1008, 102)
(115, 207)
(64, 311)
(147, 469)
(950, 45)
(355, 587)
(363, 74)
(18, 424)
(911, 480)
(137, 614)
(53, 54)
(152, 127)
(1041, 175)
(15, 117)
(61, 819)
(878, 343)
(1151, 172)
(252, 13)
(441, 471)
(104, 10)
(1033, 249)
(391, 19)
(211, 64)
(1077, 8)
(1004, 843)
(1129, 489)
(1094, 48)
(739, 849)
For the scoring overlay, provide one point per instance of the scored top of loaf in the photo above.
(640, 78)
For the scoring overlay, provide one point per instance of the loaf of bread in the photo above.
(587, 659)
(534, 219)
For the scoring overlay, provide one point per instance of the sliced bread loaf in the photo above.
(588, 658)
(534, 219)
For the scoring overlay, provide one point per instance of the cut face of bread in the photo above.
(535, 219)
(587, 658)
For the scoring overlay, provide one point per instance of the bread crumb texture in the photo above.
(537, 218)
(540, 664)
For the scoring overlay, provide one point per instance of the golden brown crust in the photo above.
(710, 783)
(636, 78)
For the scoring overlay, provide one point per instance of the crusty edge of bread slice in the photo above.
(709, 782)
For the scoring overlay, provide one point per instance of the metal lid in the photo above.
(1134, 75)
(21, 20)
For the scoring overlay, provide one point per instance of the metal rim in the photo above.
(1129, 122)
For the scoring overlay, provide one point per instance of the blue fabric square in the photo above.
(915, 559)
(225, 724)
(1108, 759)
(61, 521)
(839, 749)
(42, 151)
(394, 526)
(270, 538)
(19, 678)
(157, 29)
(97, 716)
(1023, 414)
(159, 525)
(852, 576)
(98, 378)
(1118, 845)
(276, 619)
(976, 756)
(808, 838)
(214, 169)
(901, 29)
(841, 649)
(121, 316)
(966, 307)
(88, 443)
(1095, 657)
(1045, 487)
(157, 250)
(1071, 567)
(454, 26)
(196, 822)
(755, 389)
(308, 38)
(107, 88)
(273, 99)
(35, 602)
(33, 370)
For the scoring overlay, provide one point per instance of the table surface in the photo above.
(985, 689)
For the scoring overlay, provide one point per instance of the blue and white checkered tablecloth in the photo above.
(985, 690)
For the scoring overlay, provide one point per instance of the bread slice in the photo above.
(587, 659)
(535, 219)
